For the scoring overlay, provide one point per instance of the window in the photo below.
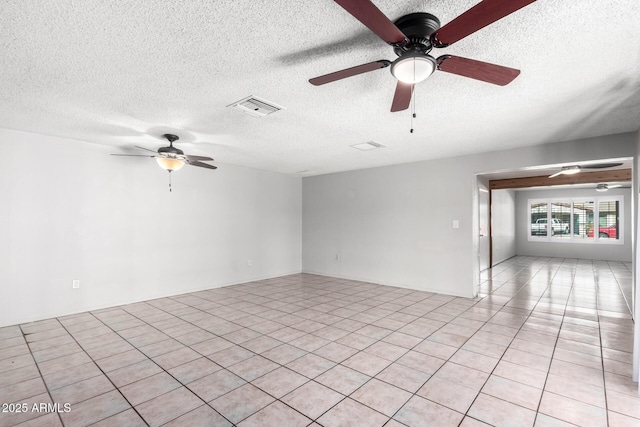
(608, 219)
(582, 218)
(561, 211)
(538, 217)
(593, 220)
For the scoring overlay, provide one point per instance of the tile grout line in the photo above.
(604, 377)
(424, 339)
(222, 367)
(24, 335)
(153, 361)
(390, 363)
(459, 348)
(620, 287)
(512, 340)
(564, 311)
(103, 373)
(340, 363)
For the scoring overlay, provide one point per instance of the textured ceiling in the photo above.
(124, 72)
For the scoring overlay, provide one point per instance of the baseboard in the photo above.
(503, 260)
(395, 285)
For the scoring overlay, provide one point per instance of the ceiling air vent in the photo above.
(366, 146)
(255, 106)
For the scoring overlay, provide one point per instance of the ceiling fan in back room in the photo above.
(414, 35)
(574, 169)
(171, 158)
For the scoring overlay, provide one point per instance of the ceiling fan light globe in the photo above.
(170, 164)
(413, 67)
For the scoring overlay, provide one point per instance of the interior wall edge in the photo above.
(635, 273)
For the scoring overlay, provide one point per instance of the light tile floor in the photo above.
(547, 343)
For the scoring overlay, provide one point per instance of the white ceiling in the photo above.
(124, 72)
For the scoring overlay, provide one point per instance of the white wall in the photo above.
(608, 251)
(503, 224)
(69, 211)
(393, 224)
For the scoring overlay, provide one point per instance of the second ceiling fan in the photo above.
(171, 158)
(574, 169)
(413, 36)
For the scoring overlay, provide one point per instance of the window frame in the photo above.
(596, 215)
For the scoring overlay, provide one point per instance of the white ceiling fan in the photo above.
(573, 169)
(605, 187)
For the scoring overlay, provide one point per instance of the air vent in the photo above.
(366, 146)
(255, 106)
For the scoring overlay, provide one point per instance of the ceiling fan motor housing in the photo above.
(414, 64)
(170, 150)
(418, 28)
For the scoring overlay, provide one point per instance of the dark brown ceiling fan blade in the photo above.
(402, 97)
(601, 166)
(349, 72)
(367, 13)
(484, 71)
(197, 158)
(133, 155)
(479, 16)
(142, 148)
(202, 165)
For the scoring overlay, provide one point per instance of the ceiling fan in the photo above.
(412, 38)
(573, 169)
(605, 187)
(171, 158)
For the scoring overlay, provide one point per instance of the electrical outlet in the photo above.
(75, 284)
(250, 262)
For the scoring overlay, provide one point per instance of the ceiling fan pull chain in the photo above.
(169, 181)
(413, 108)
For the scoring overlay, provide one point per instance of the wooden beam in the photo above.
(617, 175)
